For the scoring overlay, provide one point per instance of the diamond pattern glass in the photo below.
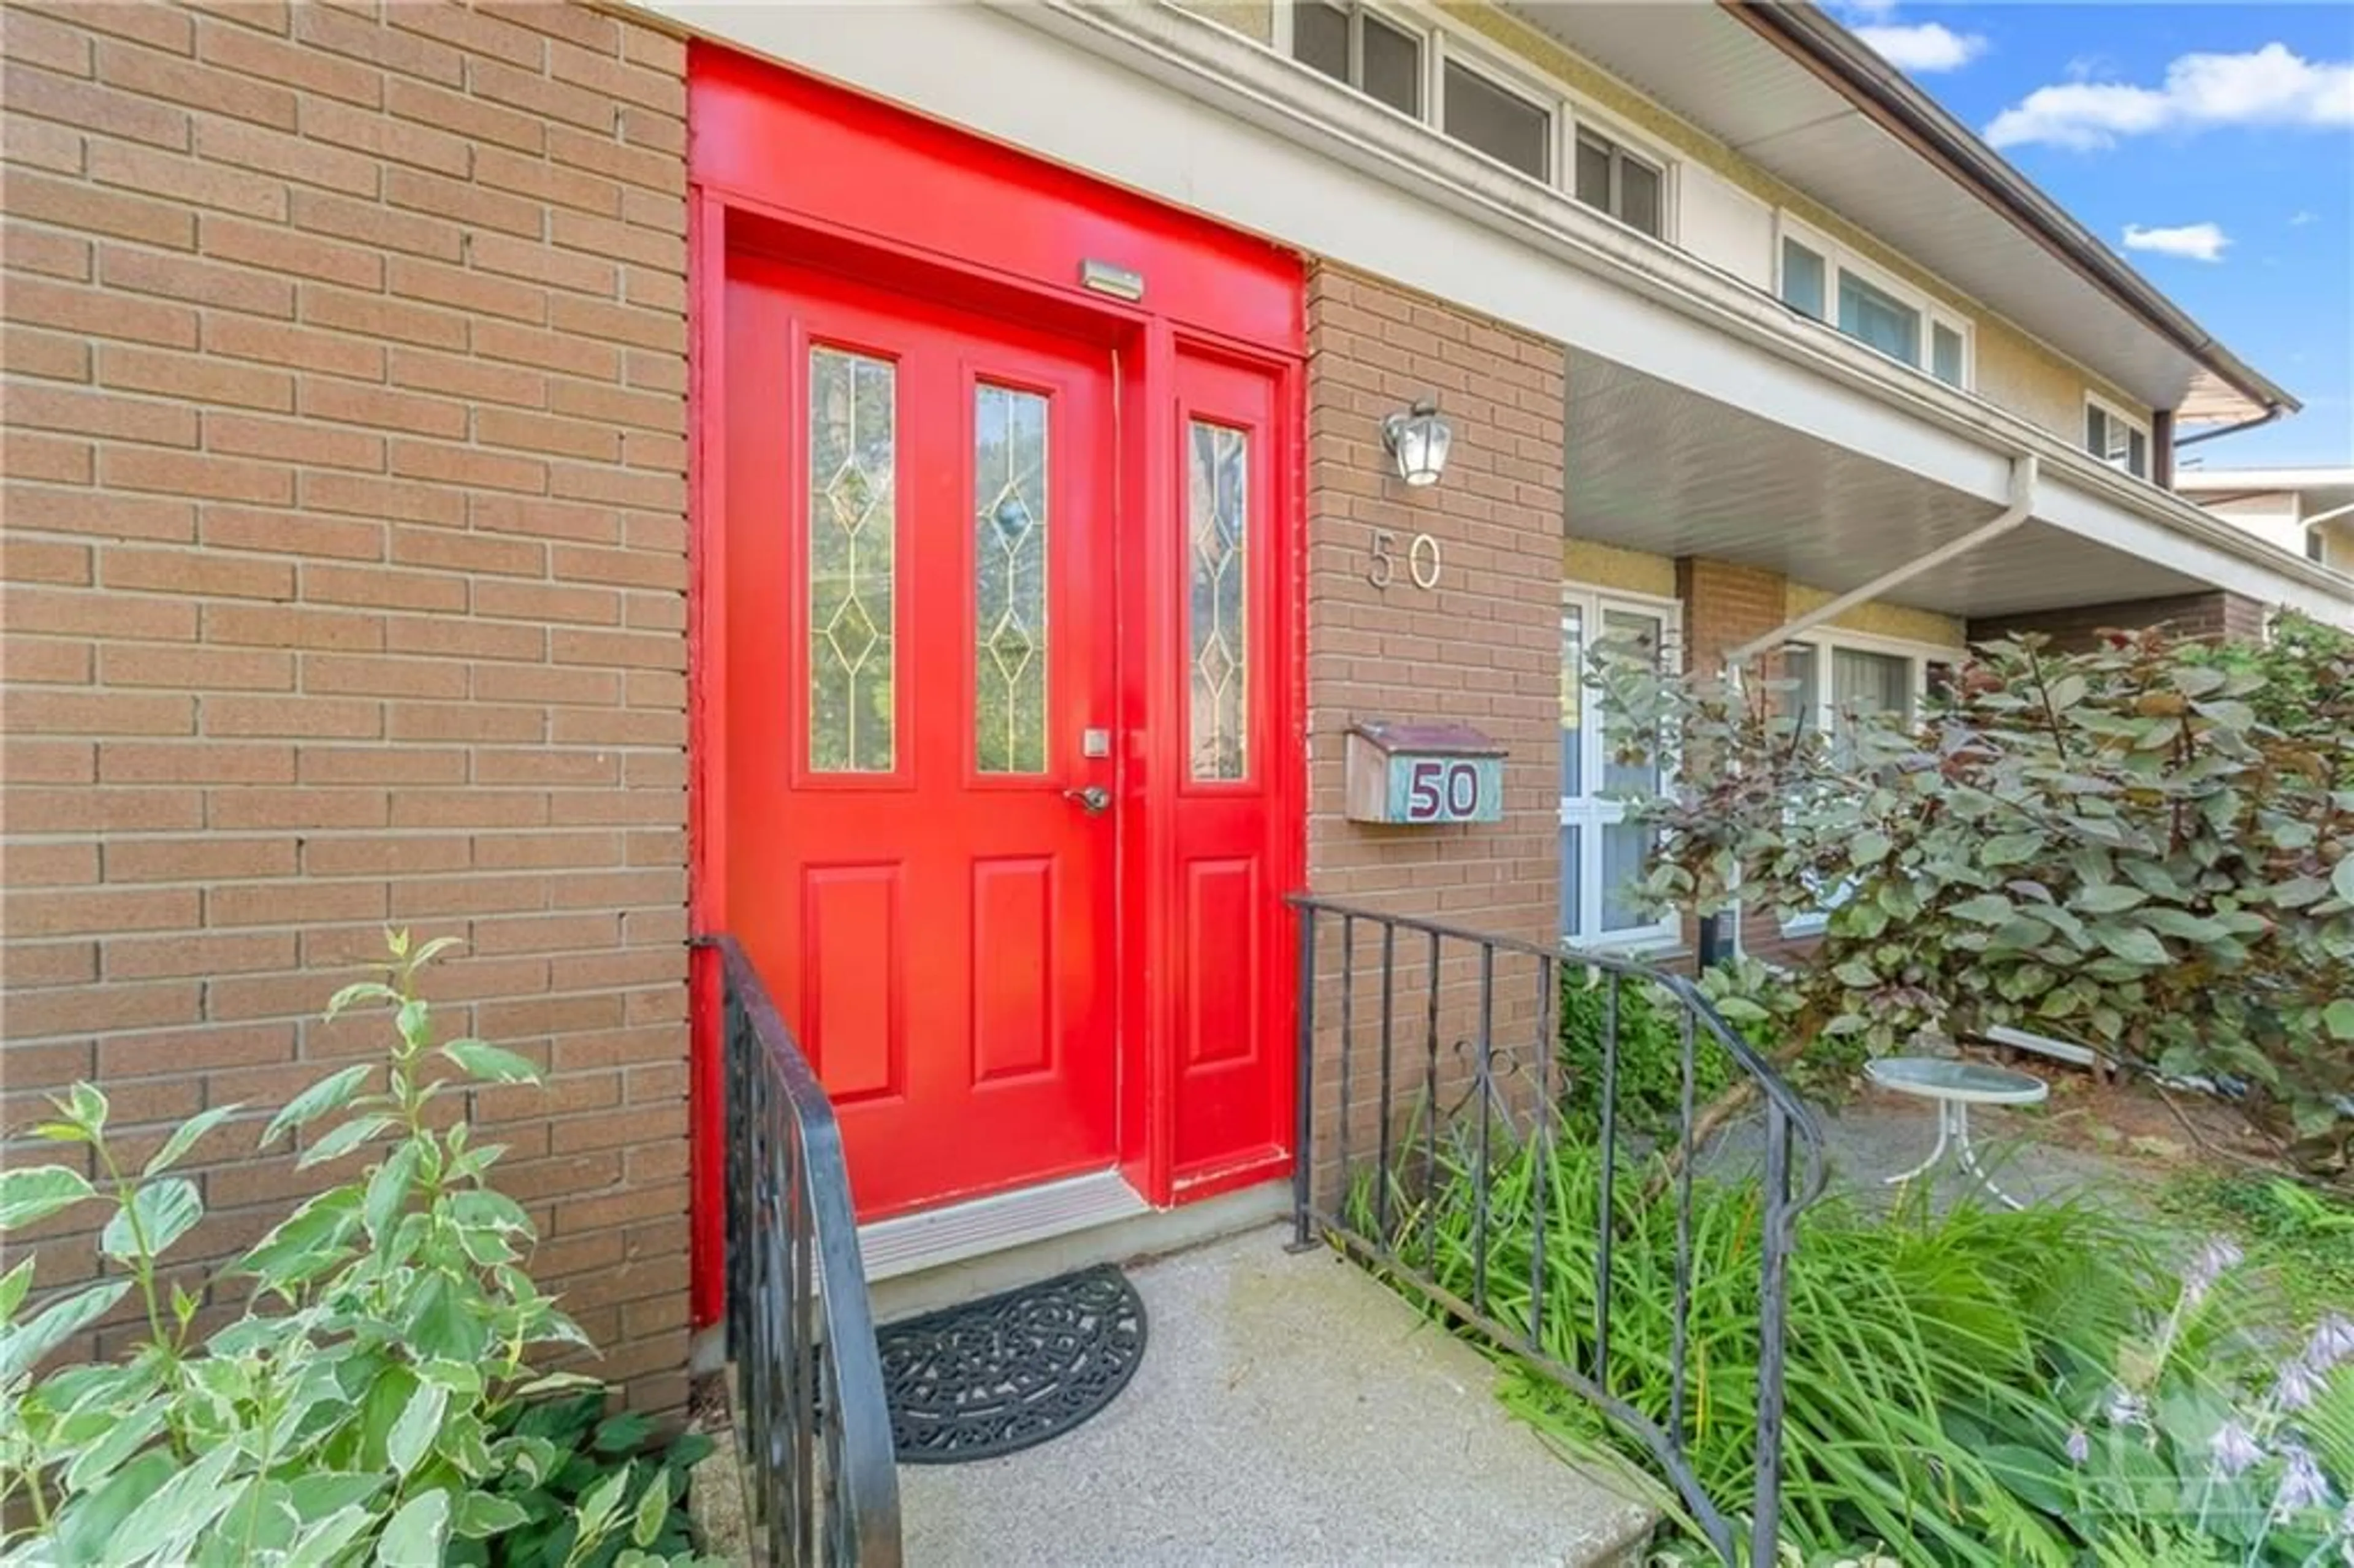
(852, 540)
(1217, 627)
(1008, 484)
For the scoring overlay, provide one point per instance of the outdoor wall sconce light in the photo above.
(1417, 440)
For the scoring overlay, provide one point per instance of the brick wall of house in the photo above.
(2213, 613)
(1725, 606)
(346, 541)
(1482, 647)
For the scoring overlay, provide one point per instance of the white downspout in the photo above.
(2022, 506)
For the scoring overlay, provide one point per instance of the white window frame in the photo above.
(1828, 640)
(1397, 17)
(2119, 415)
(1445, 39)
(1967, 330)
(1589, 813)
(1838, 258)
(1650, 150)
(1448, 47)
(1630, 148)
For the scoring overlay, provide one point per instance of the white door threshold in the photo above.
(934, 1236)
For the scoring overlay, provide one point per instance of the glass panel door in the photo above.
(1603, 854)
(1573, 701)
(1625, 846)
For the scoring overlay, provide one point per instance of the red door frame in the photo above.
(827, 178)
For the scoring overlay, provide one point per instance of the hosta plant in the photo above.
(372, 1401)
(2209, 1436)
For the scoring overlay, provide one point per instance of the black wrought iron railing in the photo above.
(813, 1429)
(1537, 1186)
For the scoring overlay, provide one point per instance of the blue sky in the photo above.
(2212, 145)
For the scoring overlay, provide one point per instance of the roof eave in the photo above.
(1851, 66)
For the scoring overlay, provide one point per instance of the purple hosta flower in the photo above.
(2217, 1258)
(2303, 1486)
(2332, 1341)
(2300, 1384)
(2125, 1409)
(2080, 1446)
(2236, 1448)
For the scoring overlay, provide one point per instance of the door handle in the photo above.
(1094, 800)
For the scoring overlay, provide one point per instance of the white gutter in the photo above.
(2332, 516)
(2321, 477)
(2023, 469)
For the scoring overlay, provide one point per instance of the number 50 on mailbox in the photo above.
(1423, 774)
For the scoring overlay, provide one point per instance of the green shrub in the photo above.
(374, 1401)
(1949, 1378)
(1755, 999)
(2142, 846)
(1650, 1054)
(577, 1447)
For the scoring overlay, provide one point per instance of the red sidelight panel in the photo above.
(1225, 553)
(996, 689)
(1224, 947)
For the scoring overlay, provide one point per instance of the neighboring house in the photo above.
(907, 485)
(2308, 510)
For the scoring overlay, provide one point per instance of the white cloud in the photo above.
(2192, 241)
(2303, 217)
(2270, 86)
(1922, 46)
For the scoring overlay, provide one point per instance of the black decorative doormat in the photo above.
(999, 1374)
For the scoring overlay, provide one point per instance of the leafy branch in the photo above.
(2149, 846)
(376, 1399)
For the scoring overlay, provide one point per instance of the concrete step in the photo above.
(1290, 1411)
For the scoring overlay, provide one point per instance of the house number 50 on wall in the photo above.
(1421, 560)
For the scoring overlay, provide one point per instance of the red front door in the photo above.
(922, 797)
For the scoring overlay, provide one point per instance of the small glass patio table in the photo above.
(1956, 1087)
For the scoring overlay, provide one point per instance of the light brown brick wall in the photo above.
(1725, 606)
(1482, 648)
(2211, 614)
(346, 509)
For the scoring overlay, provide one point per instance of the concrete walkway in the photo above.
(1290, 1412)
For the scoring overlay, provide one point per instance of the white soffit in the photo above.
(1707, 66)
(1651, 466)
